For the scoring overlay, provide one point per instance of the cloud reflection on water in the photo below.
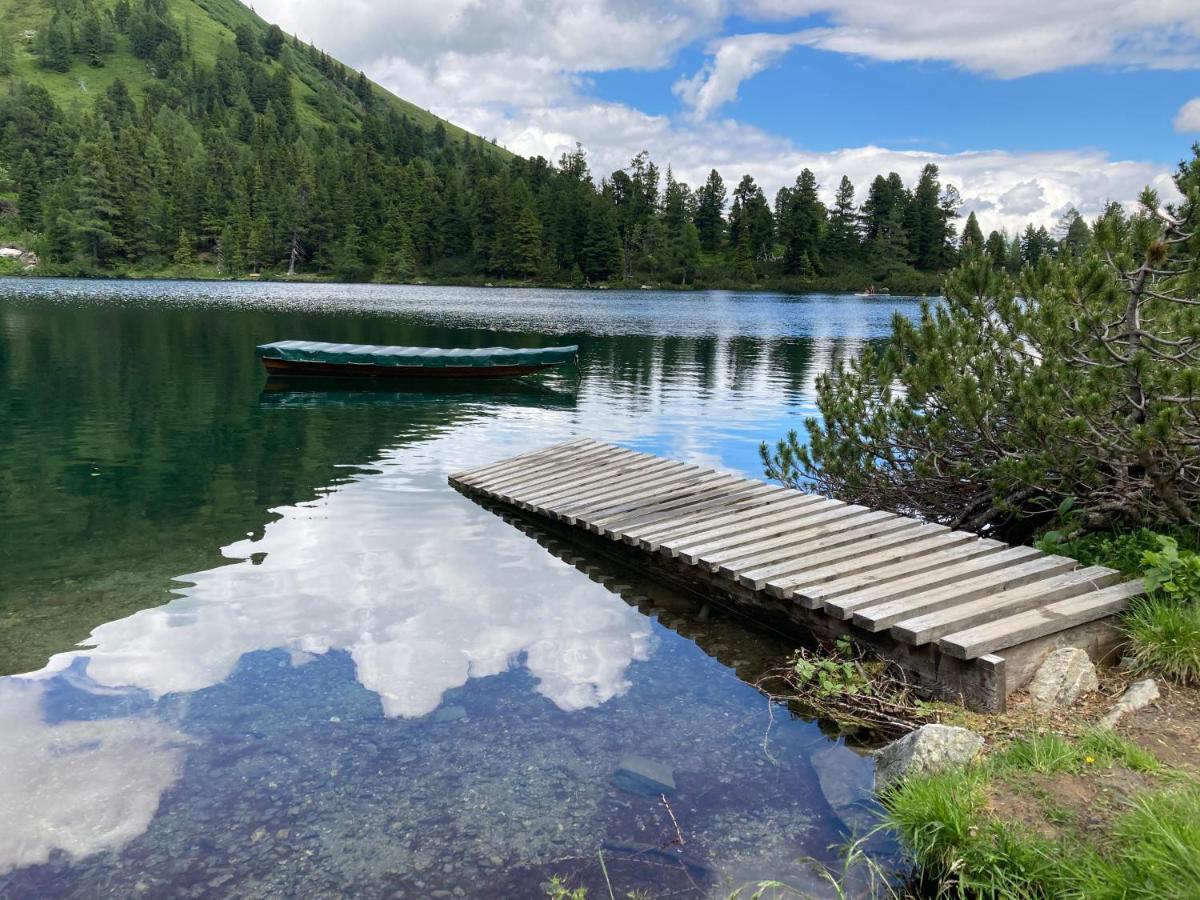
(388, 570)
(80, 787)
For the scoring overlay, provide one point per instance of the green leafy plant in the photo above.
(834, 674)
(1174, 572)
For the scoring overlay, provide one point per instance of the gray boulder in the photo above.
(1138, 695)
(929, 749)
(1062, 678)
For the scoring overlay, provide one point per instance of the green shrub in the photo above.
(1165, 636)
(1123, 550)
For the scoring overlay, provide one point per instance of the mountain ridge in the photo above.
(206, 26)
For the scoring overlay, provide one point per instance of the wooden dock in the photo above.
(970, 618)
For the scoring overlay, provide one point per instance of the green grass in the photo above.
(1160, 843)
(1048, 754)
(1165, 637)
(1044, 753)
(961, 850)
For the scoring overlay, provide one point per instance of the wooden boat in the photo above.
(320, 359)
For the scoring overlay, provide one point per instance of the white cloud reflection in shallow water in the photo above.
(80, 787)
(390, 572)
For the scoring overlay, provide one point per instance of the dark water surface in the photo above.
(255, 646)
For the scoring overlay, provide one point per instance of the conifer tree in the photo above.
(601, 250)
(184, 255)
(1080, 380)
(527, 244)
(28, 181)
(743, 259)
(972, 236)
(710, 209)
(842, 237)
(997, 249)
(95, 212)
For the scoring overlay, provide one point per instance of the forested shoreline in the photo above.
(267, 158)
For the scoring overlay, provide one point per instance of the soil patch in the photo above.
(1169, 728)
(1066, 803)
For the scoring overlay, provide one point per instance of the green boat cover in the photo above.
(425, 357)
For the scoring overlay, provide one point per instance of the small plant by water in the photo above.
(847, 684)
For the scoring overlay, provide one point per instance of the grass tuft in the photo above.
(1045, 753)
(1104, 746)
(1165, 636)
(1159, 842)
(935, 815)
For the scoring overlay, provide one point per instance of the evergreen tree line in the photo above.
(218, 164)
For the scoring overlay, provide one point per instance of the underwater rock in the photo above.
(846, 781)
(450, 714)
(640, 775)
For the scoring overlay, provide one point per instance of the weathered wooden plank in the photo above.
(819, 520)
(783, 546)
(724, 489)
(560, 469)
(884, 615)
(847, 560)
(1034, 623)
(710, 507)
(782, 520)
(723, 521)
(550, 462)
(841, 597)
(930, 556)
(470, 476)
(929, 626)
(590, 474)
(602, 481)
(630, 496)
(636, 493)
(745, 498)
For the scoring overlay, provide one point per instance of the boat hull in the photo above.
(308, 369)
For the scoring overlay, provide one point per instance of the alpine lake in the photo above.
(252, 644)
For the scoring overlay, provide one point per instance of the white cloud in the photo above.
(734, 59)
(518, 71)
(1023, 199)
(1188, 118)
(1009, 39)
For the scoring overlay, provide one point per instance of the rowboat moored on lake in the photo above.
(321, 359)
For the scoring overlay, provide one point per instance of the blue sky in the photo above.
(1028, 107)
(825, 101)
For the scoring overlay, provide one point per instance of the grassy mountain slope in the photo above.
(207, 25)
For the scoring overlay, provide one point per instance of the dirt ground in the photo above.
(1084, 804)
